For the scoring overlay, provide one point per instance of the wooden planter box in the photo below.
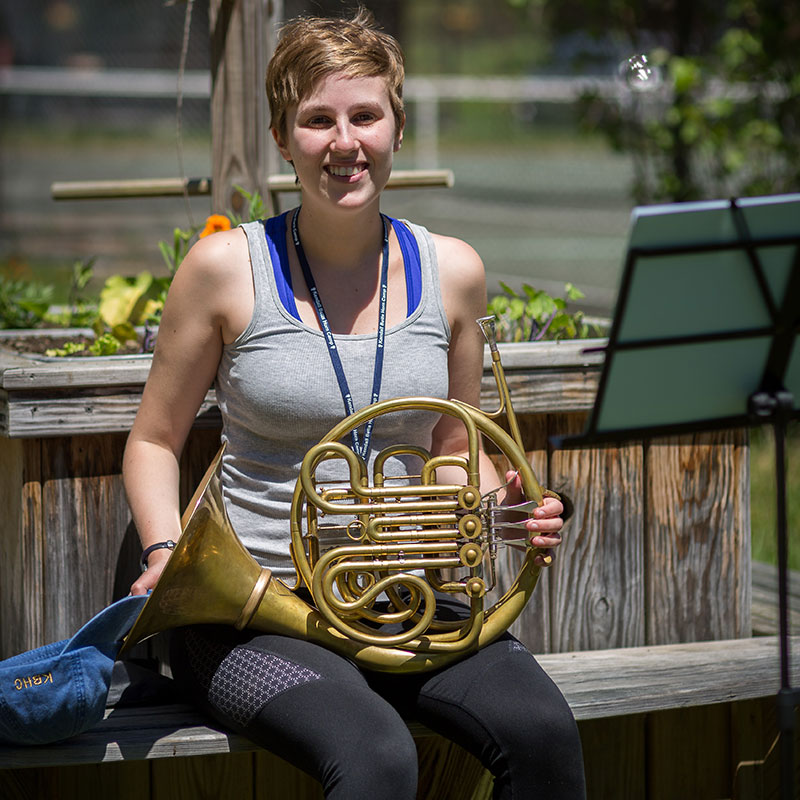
(658, 550)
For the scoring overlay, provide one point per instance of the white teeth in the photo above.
(343, 172)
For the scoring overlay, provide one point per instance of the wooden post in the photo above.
(243, 35)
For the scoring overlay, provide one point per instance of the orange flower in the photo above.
(215, 223)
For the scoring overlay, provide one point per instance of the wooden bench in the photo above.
(597, 684)
(658, 551)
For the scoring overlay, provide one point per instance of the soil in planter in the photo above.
(40, 344)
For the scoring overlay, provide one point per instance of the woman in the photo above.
(248, 309)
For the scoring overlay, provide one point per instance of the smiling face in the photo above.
(341, 139)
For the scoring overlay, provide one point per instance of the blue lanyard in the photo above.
(360, 448)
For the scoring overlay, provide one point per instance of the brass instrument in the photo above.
(371, 555)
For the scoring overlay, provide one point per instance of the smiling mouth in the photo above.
(345, 172)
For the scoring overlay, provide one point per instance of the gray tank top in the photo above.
(278, 395)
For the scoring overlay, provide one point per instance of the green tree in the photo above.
(725, 119)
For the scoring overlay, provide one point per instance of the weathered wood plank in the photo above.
(121, 781)
(597, 684)
(77, 396)
(109, 410)
(688, 753)
(133, 734)
(86, 411)
(564, 390)
(223, 777)
(532, 627)
(398, 179)
(22, 593)
(448, 772)
(603, 683)
(55, 412)
(753, 726)
(614, 760)
(698, 537)
(242, 37)
(765, 600)
(176, 187)
(85, 516)
(597, 588)
(272, 771)
(28, 373)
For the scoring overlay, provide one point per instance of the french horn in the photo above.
(373, 558)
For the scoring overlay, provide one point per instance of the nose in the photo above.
(344, 139)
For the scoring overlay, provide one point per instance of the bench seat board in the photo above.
(597, 684)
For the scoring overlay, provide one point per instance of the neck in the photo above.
(344, 243)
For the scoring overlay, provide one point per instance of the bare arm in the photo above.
(463, 284)
(204, 309)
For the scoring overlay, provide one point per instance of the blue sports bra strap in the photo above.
(275, 234)
(412, 263)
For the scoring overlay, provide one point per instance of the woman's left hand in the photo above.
(544, 526)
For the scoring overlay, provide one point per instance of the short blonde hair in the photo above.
(311, 48)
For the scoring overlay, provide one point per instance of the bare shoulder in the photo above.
(216, 259)
(216, 277)
(456, 256)
(462, 277)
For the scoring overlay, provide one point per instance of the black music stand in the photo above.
(706, 336)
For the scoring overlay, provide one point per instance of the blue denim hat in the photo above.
(59, 690)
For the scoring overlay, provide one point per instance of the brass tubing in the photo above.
(198, 583)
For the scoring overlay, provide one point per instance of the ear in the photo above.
(281, 143)
(398, 139)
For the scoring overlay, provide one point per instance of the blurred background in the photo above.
(555, 117)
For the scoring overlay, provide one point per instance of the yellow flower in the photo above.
(215, 223)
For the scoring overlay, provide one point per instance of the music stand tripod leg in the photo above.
(777, 407)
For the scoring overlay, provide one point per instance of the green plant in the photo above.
(81, 309)
(723, 123)
(173, 253)
(256, 209)
(105, 345)
(69, 349)
(23, 304)
(534, 315)
(126, 302)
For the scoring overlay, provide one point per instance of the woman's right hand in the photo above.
(149, 578)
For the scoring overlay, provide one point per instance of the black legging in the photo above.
(345, 726)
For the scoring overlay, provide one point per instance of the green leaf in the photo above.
(508, 290)
(516, 307)
(124, 332)
(573, 292)
(122, 299)
(69, 349)
(105, 345)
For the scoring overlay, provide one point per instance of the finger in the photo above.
(546, 526)
(546, 542)
(544, 559)
(514, 491)
(551, 507)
